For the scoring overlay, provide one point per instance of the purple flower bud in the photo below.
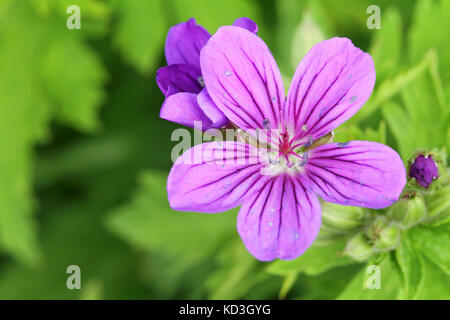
(424, 170)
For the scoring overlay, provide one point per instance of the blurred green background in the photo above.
(84, 156)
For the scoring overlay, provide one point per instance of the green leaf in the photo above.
(390, 282)
(402, 129)
(317, 259)
(306, 35)
(438, 205)
(378, 135)
(432, 119)
(140, 32)
(24, 112)
(435, 284)
(236, 272)
(410, 264)
(431, 22)
(434, 242)
(348, 132)
(297, 32)
(148, 223)
(72, 76)
(50, 72)
(390, 87)
(212, 15)
(386, 46)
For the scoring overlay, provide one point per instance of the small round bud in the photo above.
(424, 170)
(342, 218)
(384, 235)
(359, 248)
(409, 210)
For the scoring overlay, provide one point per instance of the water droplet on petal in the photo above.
(270, 224)
(322, 111)
(228, 73)
(305, 127)
(352, 99)
(343, 145)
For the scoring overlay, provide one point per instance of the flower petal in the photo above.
(356, 173)
(184, 42)
(331, 83)
(280, 221)
(242, 78)
(246, 23)
(180, 77)
(183, 108)
(214, 177)
(216, 116)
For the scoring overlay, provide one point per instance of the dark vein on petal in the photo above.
(264, 207)
(264, 81)
(313, 109)
(237, 105)
(247, 89)
(345, 177)
(221, 178)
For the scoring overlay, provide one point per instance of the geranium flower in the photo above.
(181, 81)
(280, 214)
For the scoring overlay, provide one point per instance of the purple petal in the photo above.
(184, 42)
(242, 78)
(280, 221)
(246, 23)
(183, 108)
(331, 83)
(356, 173)
(208, 107)
(180, 78)
(214, 177)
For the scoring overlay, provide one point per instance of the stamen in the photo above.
(307, 144)
(310, 142)
(305, 160)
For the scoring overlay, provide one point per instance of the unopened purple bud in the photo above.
(424, 170)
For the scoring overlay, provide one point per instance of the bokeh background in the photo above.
(84, 156)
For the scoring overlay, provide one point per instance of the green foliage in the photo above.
(431, 22)
(319, 258)
(43, 77)
(386, 46)
(390, 282)
(140, 31)
(149, 223)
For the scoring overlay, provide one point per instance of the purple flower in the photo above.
(424, 170)
(181, 81)
(280, 214)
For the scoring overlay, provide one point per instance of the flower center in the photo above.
(287, 155)
(285, 145)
